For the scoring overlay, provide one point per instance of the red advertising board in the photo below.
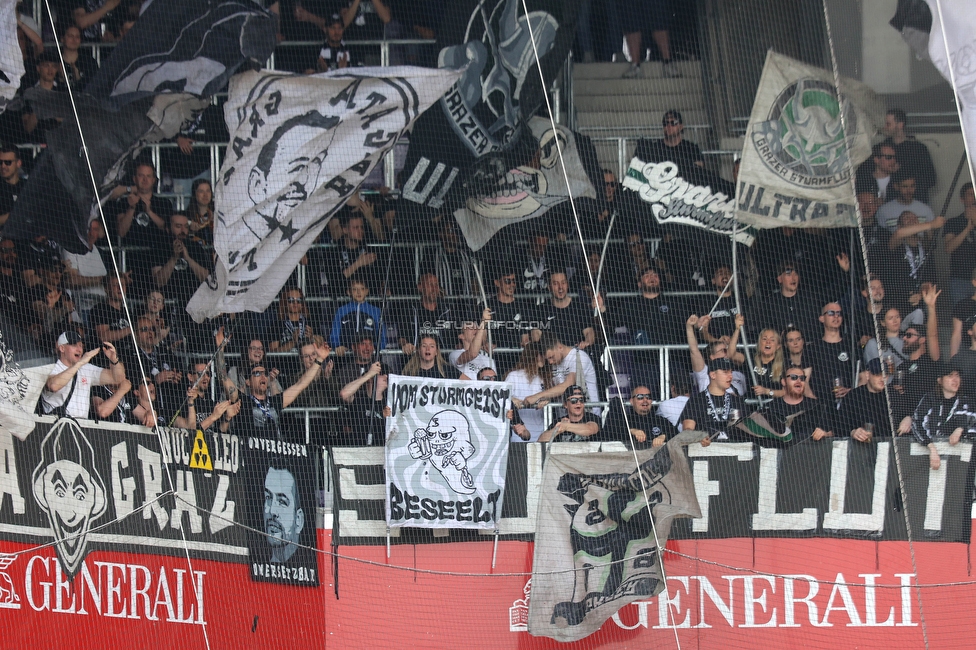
(815, 592)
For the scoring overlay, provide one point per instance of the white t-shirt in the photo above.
(889, 212)
(568, 365)
(89, 265)
(671, 410)
(533, 419)
(473, 367)
(88, 376)
(738, 381)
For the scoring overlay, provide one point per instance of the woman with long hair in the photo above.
(794, 344)
(530, 375)
(201, 210)
(293, 327)
(768, 364)
(427, 361)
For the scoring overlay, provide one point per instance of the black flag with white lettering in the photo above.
(281, 512)
(185, 46)
(485, 114)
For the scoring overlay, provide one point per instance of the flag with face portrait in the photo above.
(300, 146)
(11, 60)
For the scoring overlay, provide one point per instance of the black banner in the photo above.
(281, 512)
(116, 488)
(833, 488)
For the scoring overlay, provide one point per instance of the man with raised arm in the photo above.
(69, 385)
(471, 358)
(262, 413)
(713, 409)
(723, 348)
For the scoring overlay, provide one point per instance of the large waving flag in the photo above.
(300, 146)
(11, 60)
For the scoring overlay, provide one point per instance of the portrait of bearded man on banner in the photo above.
(285, 173)
(69, 490)
(284, 518)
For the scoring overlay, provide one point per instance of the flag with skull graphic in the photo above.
(601, 527)
(446, 452)
(300, 146)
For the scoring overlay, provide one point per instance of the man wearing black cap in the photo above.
(334, 53)
(864, 412)
(578, 425)
(673, 147)
(68, 387)
(943, 414)
(811, 421)
(714, 409)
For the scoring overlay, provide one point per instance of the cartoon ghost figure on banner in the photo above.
(446, 444)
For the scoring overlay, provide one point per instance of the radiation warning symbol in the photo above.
(200, 458)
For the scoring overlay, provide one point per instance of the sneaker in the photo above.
(671, 70)
(633, 72)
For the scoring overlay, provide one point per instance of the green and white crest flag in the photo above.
(446, 452)
(594, 546)
(804, 141)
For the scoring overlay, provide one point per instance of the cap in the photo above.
(673, 114)
(70, 337)
(573, 391)
(334, 18)
(719, 364)
(361, 336)
(942, 368)
(49, 56)
(874, 366)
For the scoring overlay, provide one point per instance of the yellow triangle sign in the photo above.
(200, 458)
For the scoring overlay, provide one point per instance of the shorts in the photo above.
(635, 15)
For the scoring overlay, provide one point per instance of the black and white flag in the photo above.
(507, 196)
(11, 59)
(300, 145)
(185, 46)
(446, 452)
(595, 546)
(485, 113)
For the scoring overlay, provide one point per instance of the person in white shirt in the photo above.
(903, 201)
(564, 362)
(73, 376)
(472, 357)
(86, 273)
(530, 375)
(671, 409)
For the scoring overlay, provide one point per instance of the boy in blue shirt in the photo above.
(355, 317)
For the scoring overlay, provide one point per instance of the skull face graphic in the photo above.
(446, 444)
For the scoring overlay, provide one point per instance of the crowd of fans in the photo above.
(808, 299)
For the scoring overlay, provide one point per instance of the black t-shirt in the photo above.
(450, 372)
(918, 379)
(812, 415)
(13, 295)
(9, 194)
(573, 437)
(723, 317)
(143, 231)
(650, 321)
(862, 406)
(778, 312)
(651, 424)
(712, 413)
(262, 418)
(338, 259)
(965, 311)
(964, 257)
(359, 417)
(36, 255)
(509, 321)
(121, 414)
(566, 323)
(685, 155)
(106, 314)
(416, 321)
(829, 361)
(965, 361)
(183, 283)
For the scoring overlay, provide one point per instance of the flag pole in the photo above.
(382, 328)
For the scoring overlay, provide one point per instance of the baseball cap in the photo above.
(335, 18)
(673, 115)
(942, 368)
(573, 391)
(719, 364)
(70, 337)
(874, 366)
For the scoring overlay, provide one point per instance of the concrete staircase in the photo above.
(610, 108)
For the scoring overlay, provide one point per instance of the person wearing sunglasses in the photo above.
(672, 147)
(510, 316)
(641, 427)
(876, 173)
(812, 419)
(578, 425)
(294, 324)
(830, 357)
(10, 185)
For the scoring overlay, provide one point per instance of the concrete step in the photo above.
(650, 69)
(624, 103)
(645, 118)
(640, 87)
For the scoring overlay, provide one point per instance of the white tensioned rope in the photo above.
(849, 137)
(599, 315)
(118, 276)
